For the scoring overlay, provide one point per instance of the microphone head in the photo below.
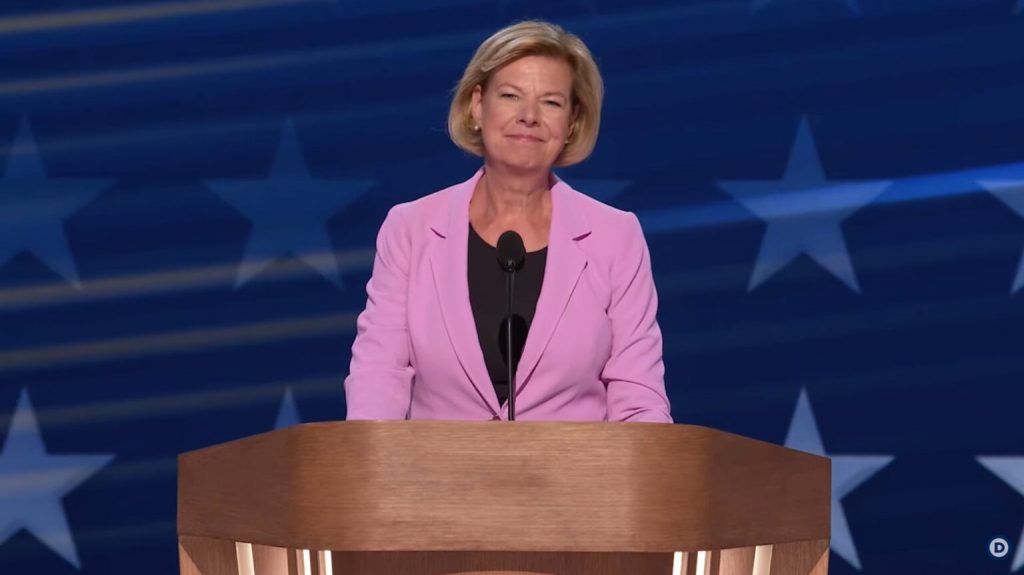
(511, 251)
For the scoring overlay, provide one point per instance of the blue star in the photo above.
(1010, 470)
(289, 211)
(853, 5)
(1011, 193)
(34, 484)
(599, 189)
(288, 414)
(848, 472)
(33, 208)
(803, 213)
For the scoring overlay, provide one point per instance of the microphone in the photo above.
(511, 251)
(511, 256)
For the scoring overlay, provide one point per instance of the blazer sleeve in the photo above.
(635, 372)
(379, 383)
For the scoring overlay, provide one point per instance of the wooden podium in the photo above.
(442, 498)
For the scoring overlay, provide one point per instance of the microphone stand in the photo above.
(511, 255)
(510, 279)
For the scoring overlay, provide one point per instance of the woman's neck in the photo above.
(510, 197)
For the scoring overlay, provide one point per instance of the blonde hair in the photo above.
(532, 38)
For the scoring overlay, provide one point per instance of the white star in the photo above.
(1011, 193)
(1010, 470)
(848, 472)
(803, 212)
(32, 484)
(288, 413)
(289, 211)
(33, 207)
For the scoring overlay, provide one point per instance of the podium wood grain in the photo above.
(521, 496)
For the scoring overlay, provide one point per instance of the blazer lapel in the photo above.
(566, 262)
(449, 266)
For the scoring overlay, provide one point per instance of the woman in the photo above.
(427, 345)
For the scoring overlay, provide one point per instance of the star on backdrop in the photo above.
(804, 212)
(32, 484)
(853, 5)
(288, 413)
(33, 207)
(1011, 193)
(1010, 470)
(848, 472)
(289, 211)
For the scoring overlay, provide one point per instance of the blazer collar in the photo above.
(570, 221)
(565, 263)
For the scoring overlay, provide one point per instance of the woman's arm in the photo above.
(379, 383)
(635, 372)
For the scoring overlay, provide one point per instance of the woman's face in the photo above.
(525, 112)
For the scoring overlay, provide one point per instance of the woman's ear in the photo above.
(476, 106)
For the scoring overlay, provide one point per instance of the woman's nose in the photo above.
(528, 113)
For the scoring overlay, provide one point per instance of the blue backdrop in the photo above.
(832, 191)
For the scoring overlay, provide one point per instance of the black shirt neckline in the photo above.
(473, 234)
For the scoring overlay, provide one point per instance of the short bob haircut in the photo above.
(532, 38)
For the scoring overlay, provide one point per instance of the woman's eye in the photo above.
(554, 103)
(509, 96)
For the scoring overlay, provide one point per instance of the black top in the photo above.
(488, 300)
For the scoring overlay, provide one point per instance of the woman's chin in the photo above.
(519, 164)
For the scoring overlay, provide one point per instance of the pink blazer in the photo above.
(592, 353)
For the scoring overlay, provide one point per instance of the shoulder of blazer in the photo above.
(598, 213)
(429, 212)
(606, 226)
